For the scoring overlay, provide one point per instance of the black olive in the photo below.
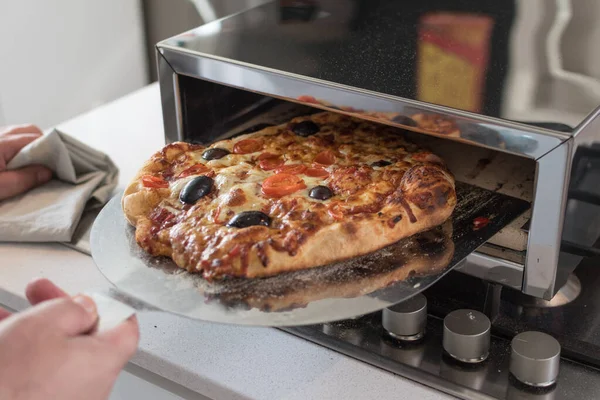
(195, 189)
(381, 163)
(320, 193)
(403, 120)
(249, 218)
(214, 153)
(305, 128)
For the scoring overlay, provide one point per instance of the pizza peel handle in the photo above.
(111, 312)
(114, 308)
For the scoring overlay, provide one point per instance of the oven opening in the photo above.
(212, 112)
(496, 171)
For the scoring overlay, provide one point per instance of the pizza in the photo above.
(319, 189)
(437, 124)
(427, 122)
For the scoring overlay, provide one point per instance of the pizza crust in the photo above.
(423, 254)
(341, 241)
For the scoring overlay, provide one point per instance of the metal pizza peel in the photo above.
(337, 291)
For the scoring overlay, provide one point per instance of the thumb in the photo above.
(21, 180)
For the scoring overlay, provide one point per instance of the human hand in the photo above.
(48, 352)
(12, 183)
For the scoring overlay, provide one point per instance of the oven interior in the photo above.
(212, 111)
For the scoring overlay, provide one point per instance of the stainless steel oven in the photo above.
(494, 72)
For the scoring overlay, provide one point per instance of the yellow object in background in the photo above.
(453, 52)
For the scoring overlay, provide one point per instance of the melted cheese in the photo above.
(224, 181)
(178, 185)
(238, 178)
(229, 180)
(254, 201)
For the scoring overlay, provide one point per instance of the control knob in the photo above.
(534, 358)
(406, 321)
(467, 335)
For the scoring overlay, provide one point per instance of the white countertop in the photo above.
(217, 361)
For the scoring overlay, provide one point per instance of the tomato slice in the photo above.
(268, 164)
(247, 146)
(293, 169)
(280, 185)
(216, 213)
(193, 170)
(335, 211)
(235, 251)
(154, 182)
(480, 222)
(317, 172)
(325, 158)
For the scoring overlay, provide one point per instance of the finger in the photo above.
(10, 145)
(69, 316)
(21, 180)
(25, 128)
(124, 338)
(41, 290)
(4, 313)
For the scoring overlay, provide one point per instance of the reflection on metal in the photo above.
(493, 269)
(543, 247)
(565, 295)
(513, 137)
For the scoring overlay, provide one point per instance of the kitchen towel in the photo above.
(84, 180)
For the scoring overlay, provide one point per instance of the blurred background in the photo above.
(61, 58)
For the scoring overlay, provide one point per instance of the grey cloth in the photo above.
(84, 179)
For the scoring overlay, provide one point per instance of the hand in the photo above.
(48, 352)
(12, 183)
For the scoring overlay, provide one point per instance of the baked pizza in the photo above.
(427, 122)
(318, 189)
(437, 124)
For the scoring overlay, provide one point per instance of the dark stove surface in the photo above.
(576, 325)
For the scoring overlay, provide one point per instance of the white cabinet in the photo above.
(60, 58)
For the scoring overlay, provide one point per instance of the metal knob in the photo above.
(535, 358)
(467, 335)
(406, 320)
